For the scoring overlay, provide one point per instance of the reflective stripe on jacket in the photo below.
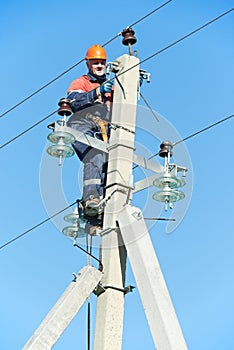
(83, 90)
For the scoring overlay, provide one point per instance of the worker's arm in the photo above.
(81, 100)
(82, 93)
(82, 97)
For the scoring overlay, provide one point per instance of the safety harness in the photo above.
(102, 123)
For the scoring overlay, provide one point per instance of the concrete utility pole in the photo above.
(124, 232)
(158, 307)
(60, 316)
(110, 305)
(129, 234)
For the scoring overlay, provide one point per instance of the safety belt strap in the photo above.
(102, 124)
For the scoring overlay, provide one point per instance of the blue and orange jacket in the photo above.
(83, 94)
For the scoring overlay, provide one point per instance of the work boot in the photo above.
(92, 207)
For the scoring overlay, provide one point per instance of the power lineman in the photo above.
(123, 232)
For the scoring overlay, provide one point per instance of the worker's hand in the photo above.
(106, 87)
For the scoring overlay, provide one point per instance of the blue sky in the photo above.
(191, 87)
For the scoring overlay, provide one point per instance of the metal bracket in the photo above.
(104, 231)
(174, 169)
(137, 215)
(101, 289)
(113, 67)
(145, 75)
(115, 145)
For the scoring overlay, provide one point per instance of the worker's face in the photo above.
(97, 66)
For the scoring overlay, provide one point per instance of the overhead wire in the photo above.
(88, 252)
(48, 116)
(79, 62)
(137, 64)
(193, 135)
(202, 130)
(39, 90)
(176, 143)
(150, 13)
(26, 130)
(190, 136)
(178, 40)
(37, 225)
(154, 155)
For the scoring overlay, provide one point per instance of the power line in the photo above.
(178, 40)
(43, 222)
(150, 13)
(176, 143)
(138, 21)
(194, 134)
(202, 130)
(142, 61)
(34, 227)
(25, 131)
(76, 64)
(40, 89)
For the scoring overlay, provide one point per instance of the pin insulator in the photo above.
(65, 107)
(166, 147)
(128, 37)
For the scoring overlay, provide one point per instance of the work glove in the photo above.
(106, 87)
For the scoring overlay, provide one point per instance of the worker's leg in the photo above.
(95, 165)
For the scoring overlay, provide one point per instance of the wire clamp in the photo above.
(117, 126)
(113, 67)
(100, 289)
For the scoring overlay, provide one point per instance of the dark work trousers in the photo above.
(94, 160)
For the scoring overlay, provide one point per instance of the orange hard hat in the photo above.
(95, 52)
